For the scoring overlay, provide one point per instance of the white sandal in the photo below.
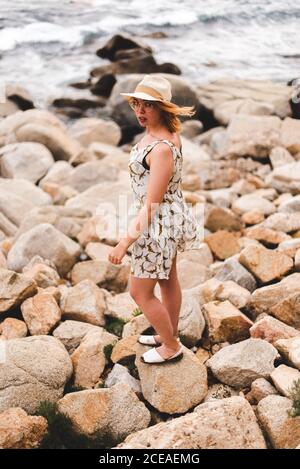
(149, 340)
(152, 356)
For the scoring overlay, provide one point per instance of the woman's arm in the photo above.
(161, 170)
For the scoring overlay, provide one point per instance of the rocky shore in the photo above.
(68, 326)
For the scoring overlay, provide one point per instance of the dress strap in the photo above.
(151, 145)
(168, 142)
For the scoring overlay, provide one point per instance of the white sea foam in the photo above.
(54, 41)
(43, 32)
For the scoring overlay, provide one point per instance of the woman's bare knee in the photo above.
(141, 289)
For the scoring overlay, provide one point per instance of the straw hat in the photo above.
(152, 88)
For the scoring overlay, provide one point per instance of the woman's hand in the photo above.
(117, 253)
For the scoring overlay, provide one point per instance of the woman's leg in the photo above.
(142, 291)
(171, 296)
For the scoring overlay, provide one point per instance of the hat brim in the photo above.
(145, 96)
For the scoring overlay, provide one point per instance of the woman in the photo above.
(164, 223)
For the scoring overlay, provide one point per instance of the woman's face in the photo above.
(147, 112)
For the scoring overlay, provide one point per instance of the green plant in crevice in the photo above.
(294, 395)
(115, 326)
(71, 387)
(107, 349)
(100, 385)
(62, 435)
(137, 312)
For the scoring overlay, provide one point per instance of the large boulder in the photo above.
(284, 377)
(21, 431)
(228, 96)
(239, 364)
(25, 160)
(282, 429)
(225, 322)
(121, 306)
(89, 130)
(225, 111)
(279, 156)
(105, 198)
(252, 135)
(77, 102)
(110, 154)
(84, 302)
(136, 326)
(35, 369)
(285, 178)
(59, 173)
(12, 328)
(215, 290)
(190, 273)
(48, 242)
(260, 388)
(42, 272)
(266, 236)
(281, 221)
(265, 264)
(290, 349)
(43, 127)
(25, 189)
(289, 135)
(191, 320)
(132, 61)
(41, 313)
(18, 95)
(111, 414)
(219, 424)
(290, 204)
(14, 289)
(125, 349)
(56, 140)
(87, 175)
(220, 218)
(248, 202)
(72, 333)
(89, 360)
(265, 298)
(120, 374)
(113, 277)
(67, 220)
(175, 387)
(288, 310)
(18, 197)
(270, 329)
(10, 125)
(223, 244)
(231, 269)
(121, 42)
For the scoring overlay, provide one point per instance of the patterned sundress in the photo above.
(173, 227)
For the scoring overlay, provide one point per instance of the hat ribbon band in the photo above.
(148, 90)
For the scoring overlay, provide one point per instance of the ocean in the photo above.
(45, 45)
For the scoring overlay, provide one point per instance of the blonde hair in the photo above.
(170, 113)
